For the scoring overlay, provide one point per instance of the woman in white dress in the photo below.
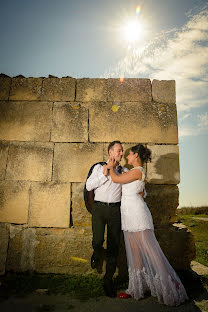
(148, 267)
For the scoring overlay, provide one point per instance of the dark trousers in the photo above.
(103, 214)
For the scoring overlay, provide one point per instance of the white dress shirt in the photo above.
(104, 188)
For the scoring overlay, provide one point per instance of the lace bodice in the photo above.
(135, 215)
(136, 186)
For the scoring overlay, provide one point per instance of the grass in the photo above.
(82, 287)
(199, 229)
(25, 283)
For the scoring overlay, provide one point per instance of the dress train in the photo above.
(150, 270)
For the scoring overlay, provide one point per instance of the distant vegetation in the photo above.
(203, 210)
(199, 228)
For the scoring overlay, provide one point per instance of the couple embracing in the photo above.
(119, 202)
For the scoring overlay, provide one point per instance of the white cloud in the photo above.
(182, 55)
(192, 124)
(185, 116)
(183, 131)
(203, 120)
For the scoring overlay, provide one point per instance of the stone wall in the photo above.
(51, 131)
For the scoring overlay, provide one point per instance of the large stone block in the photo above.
(58, 89)
(70, 123)
(80, 215)
(162, 201)
(177, 243)
(72, 161)
(163, 91)
(50, 250)
(25, 121)
(22, 245)
(129, 89)
(91, 90)
(3, 158)
(50, 205)
(164, 167)
(14, 255)
(133, 122)
(30, 161)
(14, 201)
(5, 83)
(64, 251)
(27, 89)
(4, 240)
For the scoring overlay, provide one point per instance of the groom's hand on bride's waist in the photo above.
(141, 194)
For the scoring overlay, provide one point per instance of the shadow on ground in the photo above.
(52, 292)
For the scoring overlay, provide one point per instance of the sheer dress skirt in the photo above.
(149, 269)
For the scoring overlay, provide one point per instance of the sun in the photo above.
(133, 31)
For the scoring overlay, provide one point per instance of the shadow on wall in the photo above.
(166, 168)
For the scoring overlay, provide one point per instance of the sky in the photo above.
(156, 39)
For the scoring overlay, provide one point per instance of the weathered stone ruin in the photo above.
(51, 131)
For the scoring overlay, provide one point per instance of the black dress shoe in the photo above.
(108, 288)
(93, 262)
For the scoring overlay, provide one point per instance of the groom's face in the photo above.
(116, 152)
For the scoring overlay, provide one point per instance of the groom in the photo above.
(106, 210)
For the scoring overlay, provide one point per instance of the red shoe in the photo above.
(123, 296)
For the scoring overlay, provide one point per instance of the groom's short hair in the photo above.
(111, 145)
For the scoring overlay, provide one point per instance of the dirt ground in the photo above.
(199, 218)
(40, 300)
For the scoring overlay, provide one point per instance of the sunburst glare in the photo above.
(133, 31)
(134, 28)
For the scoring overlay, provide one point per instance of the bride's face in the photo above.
(131, 158)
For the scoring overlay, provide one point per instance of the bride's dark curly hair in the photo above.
(143, 152)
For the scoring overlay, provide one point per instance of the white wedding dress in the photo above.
(148, 267)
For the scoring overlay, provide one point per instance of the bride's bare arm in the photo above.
(126, 177)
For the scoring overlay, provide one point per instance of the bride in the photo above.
(148, 267)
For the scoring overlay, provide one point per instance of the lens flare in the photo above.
(138, 10)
